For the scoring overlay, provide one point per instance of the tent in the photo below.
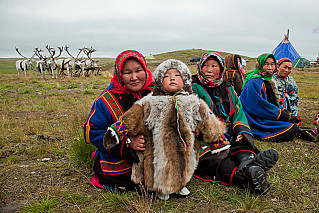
(150, 56)
(301, 63)
(285, 50)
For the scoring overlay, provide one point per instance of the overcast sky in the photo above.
(247, 27)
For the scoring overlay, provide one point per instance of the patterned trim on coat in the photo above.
(115, 168)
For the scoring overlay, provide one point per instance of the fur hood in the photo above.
(167, 65)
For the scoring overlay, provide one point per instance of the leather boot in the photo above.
(305, 135)
(251, 171)
(265, 159)
(252, 178)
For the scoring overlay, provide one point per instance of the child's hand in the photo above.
(196, 132)
(138, 143)
(239, 138)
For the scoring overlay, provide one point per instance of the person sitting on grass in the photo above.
(245, 166)
(168, 118)
(234, 72)
(261, 102)
(287, 87)
(131, 81)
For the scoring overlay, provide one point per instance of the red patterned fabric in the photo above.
(117, 80)
(283, 60)
(115, 168)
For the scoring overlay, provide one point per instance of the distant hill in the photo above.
(186, 55)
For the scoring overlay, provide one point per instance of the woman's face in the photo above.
(134, 76)
(269, 66)
(284, 69)
(211, 69)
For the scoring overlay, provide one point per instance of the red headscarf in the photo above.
(117, 80)
(282, 60)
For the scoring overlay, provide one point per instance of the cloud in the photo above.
(247, 27)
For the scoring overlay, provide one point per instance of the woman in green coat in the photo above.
(245, 166)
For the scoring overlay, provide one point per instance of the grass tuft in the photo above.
(44, 205)
(81, 154)
(88, 91)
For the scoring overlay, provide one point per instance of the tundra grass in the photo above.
(46, 165)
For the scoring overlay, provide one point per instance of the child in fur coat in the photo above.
(168, 118)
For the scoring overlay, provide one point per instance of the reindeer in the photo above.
(24, 65)
(42, 63)
(89, 64)
(51, 62)
(69, 64)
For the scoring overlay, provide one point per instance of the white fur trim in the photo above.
(114, 135)
(220, 149)
(128, 141)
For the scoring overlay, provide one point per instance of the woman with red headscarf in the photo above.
(287, 87)
(131, 81)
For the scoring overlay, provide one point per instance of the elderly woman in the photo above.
(261, 102)
(131, 81)
(244, 166)
(234, 73)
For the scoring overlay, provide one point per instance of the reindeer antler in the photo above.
(89, 52)
(51, 50)
(67, 50)
(61, 49)
(82, 49)
(20, 53)
(37, 52)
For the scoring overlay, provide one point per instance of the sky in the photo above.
(245, 27)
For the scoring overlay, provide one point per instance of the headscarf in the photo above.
(117, 80)
(259, 72)
(231, 64)
(167, 65)
(282, 61)
(202, 78)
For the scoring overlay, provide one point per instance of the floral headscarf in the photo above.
(259, 72)
(117, 80)
(202, 78)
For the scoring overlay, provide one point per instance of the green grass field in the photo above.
(46, 165)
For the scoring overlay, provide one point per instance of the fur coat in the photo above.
(168, 124)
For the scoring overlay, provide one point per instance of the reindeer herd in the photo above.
(58, 67)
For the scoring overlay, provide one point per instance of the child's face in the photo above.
(269, 66)
(173, 81)
(211, 69)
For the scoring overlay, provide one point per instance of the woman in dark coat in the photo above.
(244, 166)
